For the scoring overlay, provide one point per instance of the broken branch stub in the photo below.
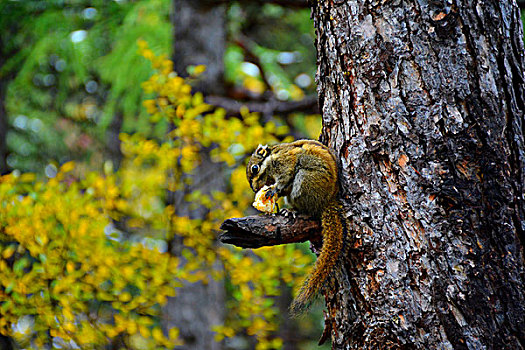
(257, 231)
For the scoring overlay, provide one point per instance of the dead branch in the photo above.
(257, 231)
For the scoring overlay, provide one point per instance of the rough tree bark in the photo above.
(423, 101)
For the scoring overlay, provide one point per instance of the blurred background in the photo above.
(71, 72)
(124, 132)
(125, 127)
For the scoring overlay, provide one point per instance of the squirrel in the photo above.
(305, 171)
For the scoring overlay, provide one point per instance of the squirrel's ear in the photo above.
(262, 151)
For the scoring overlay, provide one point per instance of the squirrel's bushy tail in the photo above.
(332, 231)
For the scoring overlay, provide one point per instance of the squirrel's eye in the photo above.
(255, 169)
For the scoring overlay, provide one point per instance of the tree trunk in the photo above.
(423, 101)
(199, 38)
(3, 128)
(113, 140)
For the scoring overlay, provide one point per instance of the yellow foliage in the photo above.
(66, 267)
(67, 272)
(198, 70)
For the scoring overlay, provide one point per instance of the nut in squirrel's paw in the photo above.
(263, 202)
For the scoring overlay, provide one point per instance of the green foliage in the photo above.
(69, 276)
(122, 67)
(287, 61)
(78, 69)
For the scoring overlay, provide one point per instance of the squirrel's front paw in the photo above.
(288, 213)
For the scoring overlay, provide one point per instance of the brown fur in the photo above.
(304, 171)
(332, 246)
